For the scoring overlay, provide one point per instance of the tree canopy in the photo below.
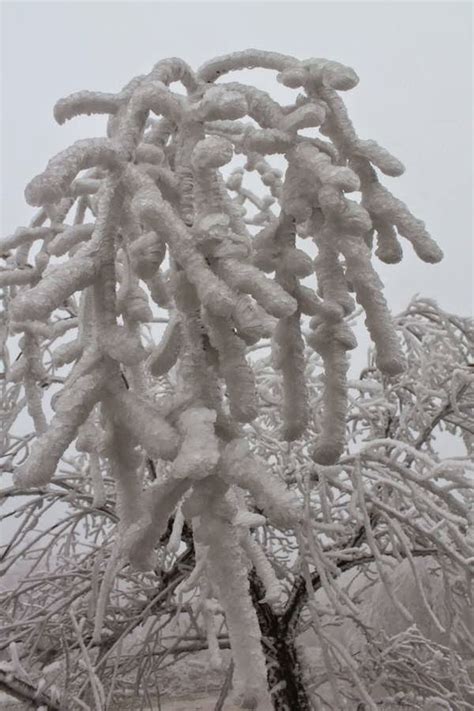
(181, 475)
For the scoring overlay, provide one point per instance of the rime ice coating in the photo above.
(72, 411)
(165, 354)
(172, 222)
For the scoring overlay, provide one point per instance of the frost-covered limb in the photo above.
(159, 289)
(235, 370)
(331, 338)
(18, 277)
(69, 238)
(246, 59)
(388, 249)
(51, 185)
(34, 373)
(97, 481)
(308, 171)
(249, 280)
(215, 657)
(264, 569)
(165, 354)
(199, 451)
(26, 692)
(384, 206)
(176, 532)
(290, 360)
(71, 411)
(318, 72)
(213, 292)
(251, 321)
(267, 141)
(24, 235)
(377, 199)
(288, 345)
(335, 397)
(379, 322)
(219, 103)
(85, 102)
(173, 70)
(118, 447)
(60, 281)
(145, 423)
(210, 198)
(91, 439)
(107, 582)
(147, 253)
(96, 685)
(227, 571)
(372, 543)
(56, 286)
(196, 371)
(239, 466)
(150, 95)
(132, 303)
(379, 156)
(158, 502)
(331, 280)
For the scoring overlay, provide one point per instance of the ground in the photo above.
(188, 703)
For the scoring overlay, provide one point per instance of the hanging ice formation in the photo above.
(154, 189)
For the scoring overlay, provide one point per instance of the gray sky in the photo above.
(414, 95)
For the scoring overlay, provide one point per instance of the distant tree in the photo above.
(238, 487)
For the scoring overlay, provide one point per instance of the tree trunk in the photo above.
(284, 675)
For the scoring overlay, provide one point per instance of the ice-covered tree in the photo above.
(160, 222)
